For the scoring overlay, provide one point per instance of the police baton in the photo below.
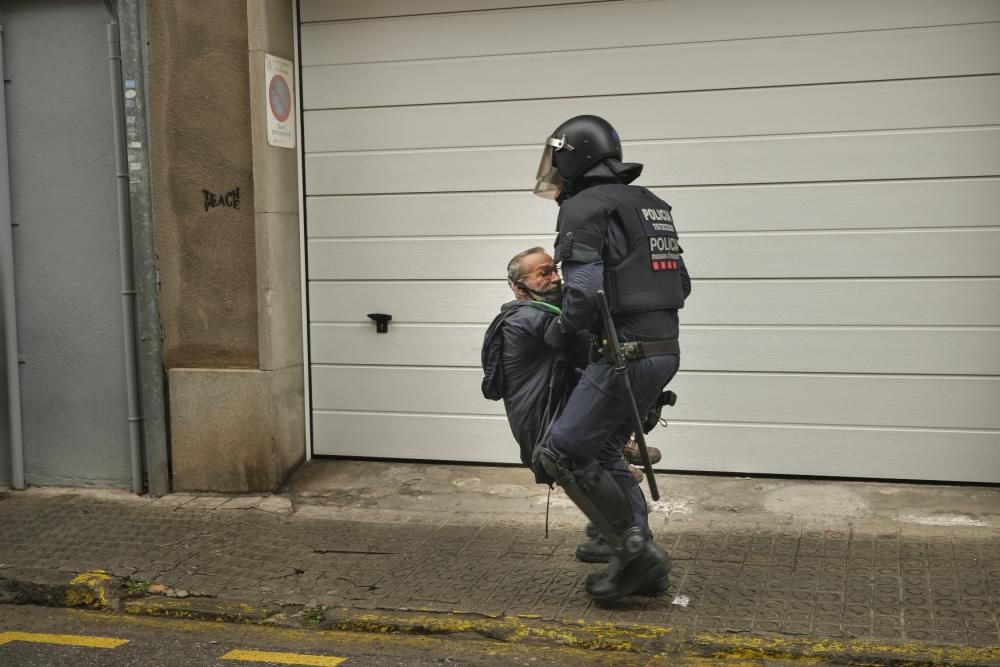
(621, 370)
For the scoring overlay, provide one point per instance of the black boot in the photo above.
(602, 500)
(639, 568)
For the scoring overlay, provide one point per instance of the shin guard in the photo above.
(600, 498)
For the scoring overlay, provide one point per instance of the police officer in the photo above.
(620, 238)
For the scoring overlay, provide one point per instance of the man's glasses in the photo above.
(542, 272)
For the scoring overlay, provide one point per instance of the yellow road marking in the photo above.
(63, 640)
(284, 658)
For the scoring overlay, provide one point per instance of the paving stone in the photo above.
(275, 505)
(242, 502)
(174, 500)
(206, 502)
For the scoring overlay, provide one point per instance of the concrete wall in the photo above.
(230, 297)
(62, 171)
(200, 126)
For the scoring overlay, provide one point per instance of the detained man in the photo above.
(534, 379)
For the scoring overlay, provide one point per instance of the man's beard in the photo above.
(553, 296)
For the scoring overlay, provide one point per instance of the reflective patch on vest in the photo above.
(664, 265)
(664, 249)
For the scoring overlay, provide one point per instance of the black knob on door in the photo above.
(381, 321)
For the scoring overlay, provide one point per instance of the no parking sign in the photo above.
(279, 82)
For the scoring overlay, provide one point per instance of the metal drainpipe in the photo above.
(125, 254)
(156, 449)
(9, 304)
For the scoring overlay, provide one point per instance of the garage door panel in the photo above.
(856, 400)
(770, 398)
(451, 391)
(857, 56)
(772, 349)
(926, 302)
(787, 159)
(738, 208)
(450, 214)
(843, 452)
(415, 258)
(885, 105)
(337, 10)
(636, 24)
(424, 302)
(434, 437)
(844, 350)
(402, 344)
(950, 253)
(875, 453)
(874, 205)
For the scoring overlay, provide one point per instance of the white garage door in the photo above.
(834, 169)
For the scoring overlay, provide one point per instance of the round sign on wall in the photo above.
(279, 90)
(279, 97)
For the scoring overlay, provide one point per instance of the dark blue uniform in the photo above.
(622, 239)
(595, 423)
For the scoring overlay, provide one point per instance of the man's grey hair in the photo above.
(514, 265)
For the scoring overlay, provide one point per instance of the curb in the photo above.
(95, 589)
(201, 609)
(98, 590)
(664, 640)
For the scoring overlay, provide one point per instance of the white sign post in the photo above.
(279, 82)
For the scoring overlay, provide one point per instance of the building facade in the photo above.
(834, 170)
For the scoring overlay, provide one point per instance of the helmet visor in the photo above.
(547, 180)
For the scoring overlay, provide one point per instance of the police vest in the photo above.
(631, 230)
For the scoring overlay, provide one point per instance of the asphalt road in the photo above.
(29, 636)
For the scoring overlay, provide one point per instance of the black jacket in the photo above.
(532, 379)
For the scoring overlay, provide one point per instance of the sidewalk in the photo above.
(849, 573)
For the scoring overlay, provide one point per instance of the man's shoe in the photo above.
(636, 473)
(594, 550)
(631, 453)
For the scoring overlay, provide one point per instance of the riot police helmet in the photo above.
(572, 149)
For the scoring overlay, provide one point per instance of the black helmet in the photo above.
(574, 147)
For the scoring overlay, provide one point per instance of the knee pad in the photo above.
(586, 478)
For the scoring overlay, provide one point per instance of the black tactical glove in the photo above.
(541, 476)
(556, 336)
(653, 416)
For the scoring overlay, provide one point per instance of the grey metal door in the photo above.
(66, 244)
